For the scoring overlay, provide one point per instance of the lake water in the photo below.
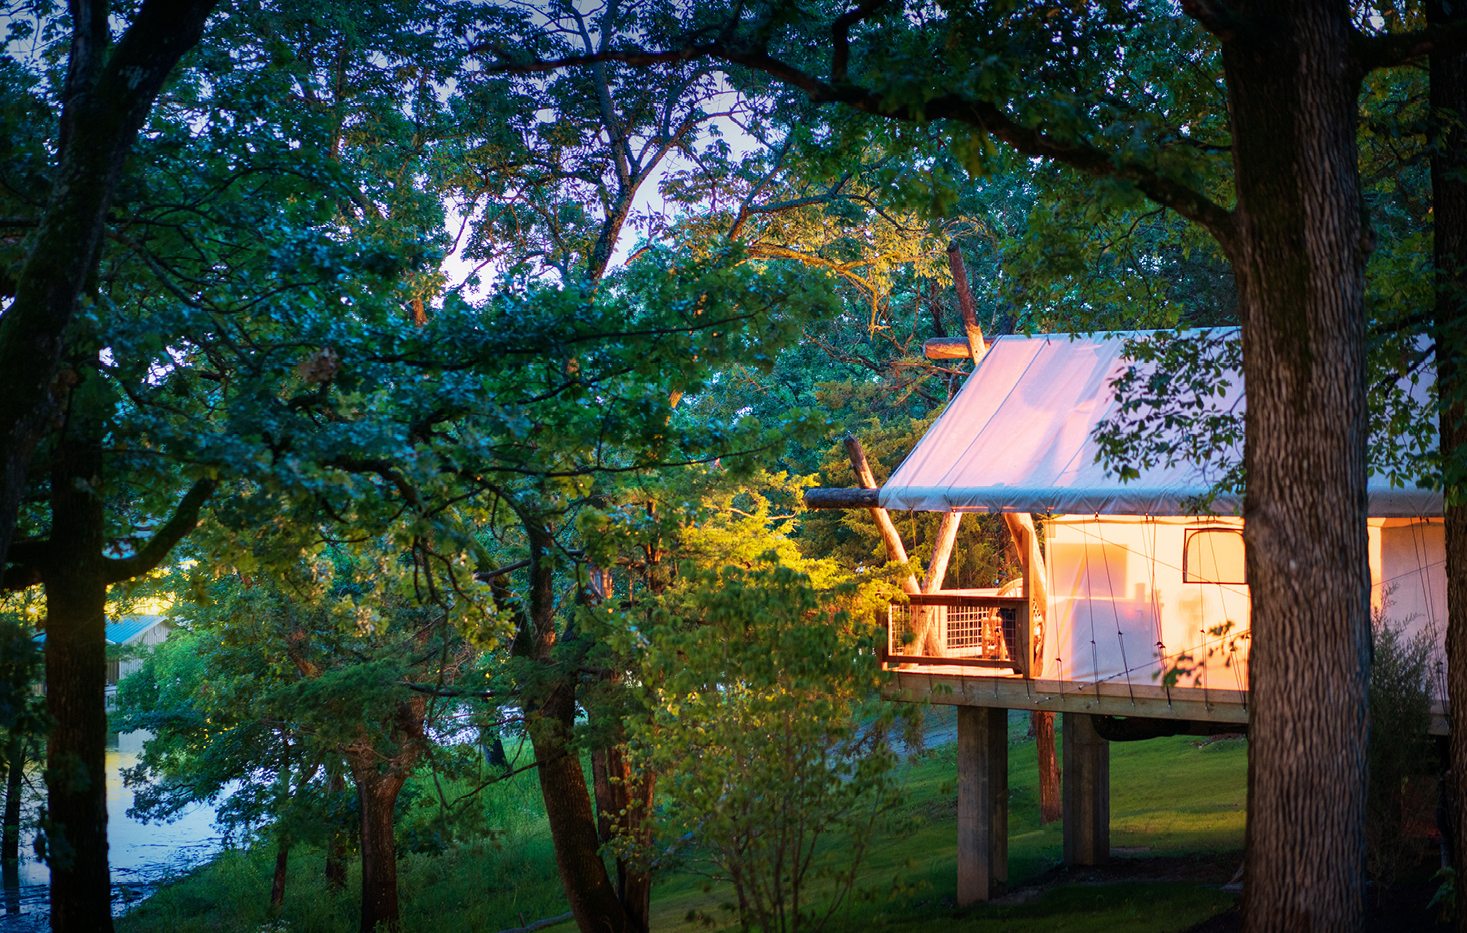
(143, 855)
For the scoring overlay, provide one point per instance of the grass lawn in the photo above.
(1176, 829)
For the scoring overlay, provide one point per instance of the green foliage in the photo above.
(22, 707)
(764, 737)
(1171, 411)
(270, 683)
(1403, 758)
(1178, 801)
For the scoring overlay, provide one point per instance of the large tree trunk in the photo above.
(108, 94)
(1298, 257)
(76, 677)
(1449, 222)
(623, 811)
(593, 901)
(550, 712)
(377, 795)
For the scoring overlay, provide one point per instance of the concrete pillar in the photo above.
(983, 803)
(1085, 791)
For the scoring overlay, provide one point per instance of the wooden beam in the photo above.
(972, 333)
(983, 804)
(1085, 792)
(827, 497)
(946, 348)
(942, 551)
(924, 628)
(1026, 542)
(1066, 696)
(859, 464)
(896, 552)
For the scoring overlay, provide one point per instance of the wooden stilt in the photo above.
(1085, 792)
(983, 804)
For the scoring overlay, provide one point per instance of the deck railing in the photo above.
(961, 629)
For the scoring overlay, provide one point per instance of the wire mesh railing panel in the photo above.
(965, 630)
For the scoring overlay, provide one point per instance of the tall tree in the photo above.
(110, 89)
(1448, 147)
(1297, 245)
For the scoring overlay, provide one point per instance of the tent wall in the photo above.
(1123, 611)
(1411, 588)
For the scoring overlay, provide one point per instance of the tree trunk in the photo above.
(107, 98)
(593, 900)
(277, 882)
(1298, 256)
(76, 676)
(16, 754)
(1049, 779)
(623, 807)
(377, 795)
(550, 710)
(1448, 141)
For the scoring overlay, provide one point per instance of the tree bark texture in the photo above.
(550, 709)
(623, 812)
(277, 880)
(76, 675)
(108, 94)
(1298, 257)
(1448, 140)
(377, 796)
(593, 899)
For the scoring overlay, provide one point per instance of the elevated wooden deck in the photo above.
(977, 687)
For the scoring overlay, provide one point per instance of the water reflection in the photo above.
(143, 856)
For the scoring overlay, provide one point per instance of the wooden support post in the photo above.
(1026, 541)
(942, 551)
(1085, 792)
(983, 803)
(928, 640)
(895, 551)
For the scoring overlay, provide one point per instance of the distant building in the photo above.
(129, 632)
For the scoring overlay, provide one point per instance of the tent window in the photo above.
(1213, 555)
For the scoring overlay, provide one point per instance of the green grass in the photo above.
(1176, 824)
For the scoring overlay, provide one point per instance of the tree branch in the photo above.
(840, 36)
(981, 115)
(185, 518)
(1214, 15)
(1389, 50)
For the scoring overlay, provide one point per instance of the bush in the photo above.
(1403, 760)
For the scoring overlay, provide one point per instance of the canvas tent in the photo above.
(1140, 593)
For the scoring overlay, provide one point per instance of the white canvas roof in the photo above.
(1018, 438)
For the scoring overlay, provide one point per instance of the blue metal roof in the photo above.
(123, 630)
(127, 628)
